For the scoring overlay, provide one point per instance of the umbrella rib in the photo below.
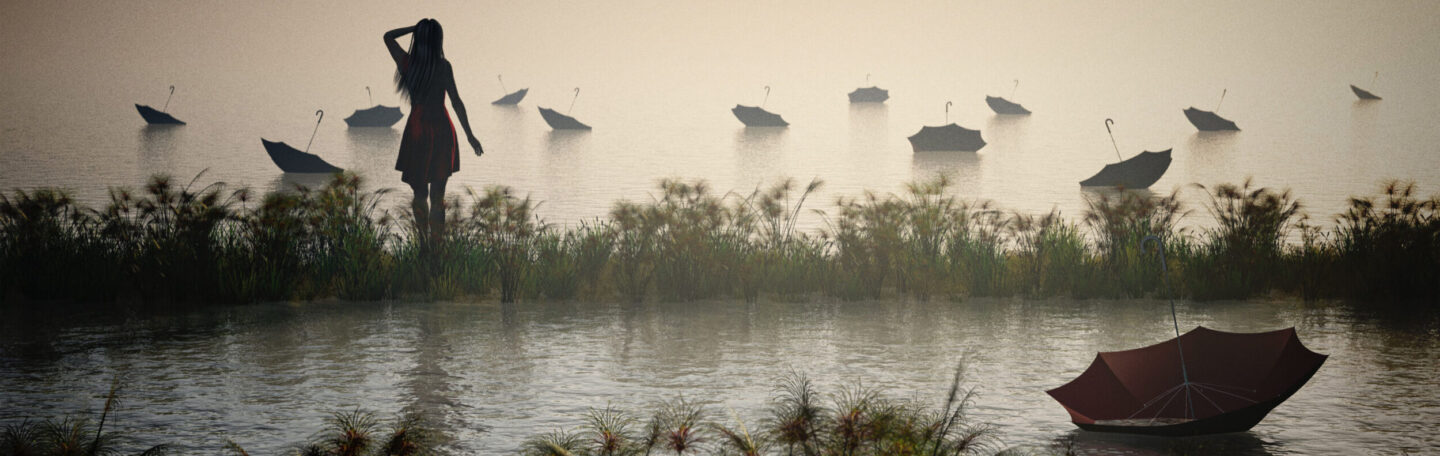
(1162, 394)
(1167, 393)
(1218, 386)
(1252, 401)
(1162, 408)
(1207, 398)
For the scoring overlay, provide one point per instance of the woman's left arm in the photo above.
(459, 106)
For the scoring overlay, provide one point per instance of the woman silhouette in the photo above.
(429, 152)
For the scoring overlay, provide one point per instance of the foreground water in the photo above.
(267, 375)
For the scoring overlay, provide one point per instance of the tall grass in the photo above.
(191, 243)
(853, 421)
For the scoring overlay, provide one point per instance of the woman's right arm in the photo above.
(396, 52)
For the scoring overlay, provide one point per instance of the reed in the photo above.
(204, 244)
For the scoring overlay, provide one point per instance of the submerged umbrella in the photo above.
(1210, 121)
(154, 117)
(510, 99)
(376, 116)
(872, 94)
(949, 137)
(1365, 94)
(560, 121)
(1139, 171)
(1002, 106)
(291, 160)
(757, 116)
(1202, 382)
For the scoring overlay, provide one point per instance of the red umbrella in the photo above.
(1227, 382)
(1202, 382)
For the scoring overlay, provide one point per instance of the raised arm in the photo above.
(459, 107)
(397, 52)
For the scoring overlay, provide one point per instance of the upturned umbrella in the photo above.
(1202, 382)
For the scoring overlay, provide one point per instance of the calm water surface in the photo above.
(266, 375)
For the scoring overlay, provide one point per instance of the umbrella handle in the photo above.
(947, 111)
(572, 101)
(370, 95)
(321, 114)
(767, 96)
(1222, 100)
(503, 90)
(1108, 123)
(172, 93)
(1012, 90)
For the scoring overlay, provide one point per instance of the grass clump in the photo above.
(853, 421)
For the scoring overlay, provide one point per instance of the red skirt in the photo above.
(429, 151)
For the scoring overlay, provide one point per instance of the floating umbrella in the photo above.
(757, 116)
(870, 94)
(291, 160)
(1202, 382)
(154, 117)
(1209, 121)
(560, 121)
(1139, 171)
(950, 137)
(377, 116)
(1365, 94)
(512, 98)
(1003, 106)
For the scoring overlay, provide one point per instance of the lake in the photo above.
(266, 375)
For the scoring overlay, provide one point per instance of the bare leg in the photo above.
(422, 210)
(437, 209)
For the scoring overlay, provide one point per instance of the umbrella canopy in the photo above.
(753, 116)
(1208, 121)
(377, 116)
(1003, 106)
(869, 95)
(513, 98)
(1139, 171)
(292, 160)
(1227, 382)
(1363, 94)
(560, 121)
(950, 137)
(155, 117)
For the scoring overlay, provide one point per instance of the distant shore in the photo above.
(167, 243)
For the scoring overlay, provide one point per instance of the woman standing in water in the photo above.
(429, 151)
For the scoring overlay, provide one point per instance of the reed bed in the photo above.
(205, 244)
(799, 420)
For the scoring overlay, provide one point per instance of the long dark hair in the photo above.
(426, 52)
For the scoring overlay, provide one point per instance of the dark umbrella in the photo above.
(291, 160)
(159, 117)
(1002, 106)
(376, 116)
(1139, 171)
(1202, 382)
(560, 121)
(510, 99)
(949, 137)
(757, 116)
(1365, 94)
(870, 94)
(1209, 121)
